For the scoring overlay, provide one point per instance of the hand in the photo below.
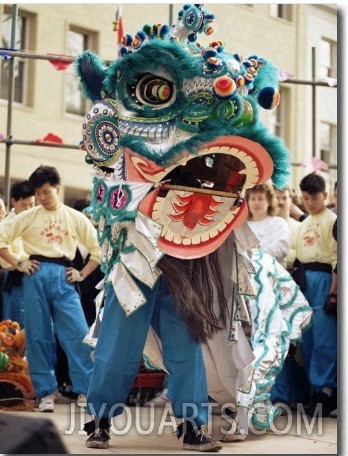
(28, 267)
(295, 211)
(330, 306)
(73, 275)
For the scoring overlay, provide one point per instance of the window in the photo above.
(327, 59)
(280, 114)
(328, 143)
(77, 42)
(275, 119)
(20, 64)
(282, 11)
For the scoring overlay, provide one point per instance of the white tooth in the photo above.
(177, 239)
(205, 236)
(222, 225)
(169, 236)
(248, 159)
(214, 232)
(229, 216)
(187, 241)
(240, 154)
(224, 149)
(196, 239)
(164, 231)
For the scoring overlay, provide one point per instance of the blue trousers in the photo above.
(291, 384)
(52, 305)
(120, 348)
(319, 343)
(13, 305)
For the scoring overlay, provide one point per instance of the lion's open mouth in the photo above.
(198, 200)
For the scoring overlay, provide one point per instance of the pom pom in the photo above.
(269, 98)
(238, 57)
(208, 30)
(192, 37)
(147, 29)
(126, 40)
(224, 87)
(249, 78)
(240, 81)
(209, 52)
(163, 30)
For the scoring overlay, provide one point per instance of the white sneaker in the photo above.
(160, 400)
(46, 404)
(82, 400)
(333, 414)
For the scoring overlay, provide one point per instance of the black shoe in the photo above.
(198, 439)
(98, 438)
(323, 404)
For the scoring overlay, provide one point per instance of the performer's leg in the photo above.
(118, 353)
(183, 358)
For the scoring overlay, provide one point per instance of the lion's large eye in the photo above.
(153, 90)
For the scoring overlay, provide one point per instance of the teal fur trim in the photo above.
(91, 70)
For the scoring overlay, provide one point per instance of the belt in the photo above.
(62, 260)
(324, 267)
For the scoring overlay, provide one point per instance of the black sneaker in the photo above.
(99, 439)
(198, 439)
(98, 436)
(323, 404)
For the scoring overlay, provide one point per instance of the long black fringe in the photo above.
(194, 285)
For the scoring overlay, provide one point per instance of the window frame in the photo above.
(328, 149)
(23, 44)
(282, 11)
(89, 42)
(331, 68)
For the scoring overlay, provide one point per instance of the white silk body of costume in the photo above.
(237, 378)
(279, 315)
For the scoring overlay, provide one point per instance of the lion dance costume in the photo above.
(173, 140)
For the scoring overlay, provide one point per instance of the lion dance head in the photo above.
(174, 138)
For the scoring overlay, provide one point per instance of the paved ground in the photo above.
(142, 430)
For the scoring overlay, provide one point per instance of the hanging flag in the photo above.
(285, 75)
(119, 25)
(50, 137)
(61, 64)
(315, 165)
